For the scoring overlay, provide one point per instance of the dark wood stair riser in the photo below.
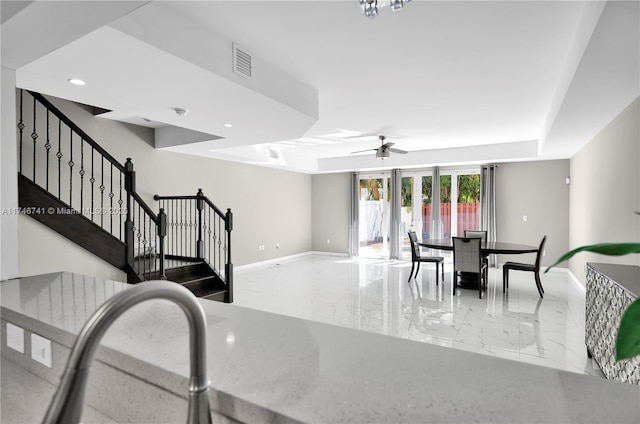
(217, 296)
(204, 284)
(188, 272)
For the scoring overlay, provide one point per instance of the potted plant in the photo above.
(628, 339)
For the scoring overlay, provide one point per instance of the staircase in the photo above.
(68, 182)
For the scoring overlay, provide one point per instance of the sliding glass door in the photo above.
(468, 208)
(415, 208)
(374, 212)
(459, 202)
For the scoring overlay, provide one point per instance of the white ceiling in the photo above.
(454, 82)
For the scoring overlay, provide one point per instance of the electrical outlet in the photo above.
(41, 350)
(15, 337)
(277, 245)
(328, 241)
(524, 218)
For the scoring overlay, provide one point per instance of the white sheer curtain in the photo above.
(488, 204)
(354, 223)
(436, 221)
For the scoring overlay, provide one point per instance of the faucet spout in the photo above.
(66, 405)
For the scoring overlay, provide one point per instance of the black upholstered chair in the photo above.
(483, 236)
(417, 258)
(467, 258)
(535, 268)
(476, 233)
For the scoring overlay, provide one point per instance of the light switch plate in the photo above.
(41, 350)
(15, 337)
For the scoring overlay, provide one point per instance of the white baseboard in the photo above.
(319, 253)
(287, 258)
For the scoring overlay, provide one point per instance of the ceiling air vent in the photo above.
(242, 61)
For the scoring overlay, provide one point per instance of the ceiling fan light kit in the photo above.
(381, 154)
(384, 149)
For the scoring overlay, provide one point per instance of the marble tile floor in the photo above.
(374, 295)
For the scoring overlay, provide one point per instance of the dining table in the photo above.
(486, 248)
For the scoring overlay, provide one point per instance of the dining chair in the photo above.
(476, 233)
(483, 236)
(518, 266)
(417, 258)
(467, 257)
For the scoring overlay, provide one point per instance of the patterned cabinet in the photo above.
(610, 289)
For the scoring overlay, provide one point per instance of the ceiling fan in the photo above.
(384, 149)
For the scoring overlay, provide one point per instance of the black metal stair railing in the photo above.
(198, 231)
(59, 157)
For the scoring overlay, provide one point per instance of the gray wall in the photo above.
(539, 191)
(330, 194)
(605, 190)
(271, 207)
(9, 262)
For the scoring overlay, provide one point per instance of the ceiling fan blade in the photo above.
(387, 145)
(366, 150)
(402, 152)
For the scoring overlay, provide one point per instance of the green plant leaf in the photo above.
(628, 339)
(611, 249)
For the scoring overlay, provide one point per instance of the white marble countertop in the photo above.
(267, 367)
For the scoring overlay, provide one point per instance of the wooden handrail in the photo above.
(203, 197)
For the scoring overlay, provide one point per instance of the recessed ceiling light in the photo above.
(227, 125)
(76, 81)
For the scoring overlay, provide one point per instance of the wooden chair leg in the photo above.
(540, 281)
(437, 272)
(539, 284)
(505, 278)
(480, 284)
(413, 264)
